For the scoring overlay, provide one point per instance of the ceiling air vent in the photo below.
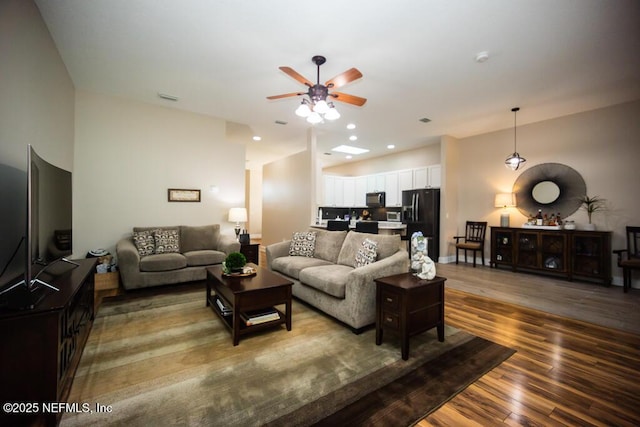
(424, 120)
(167, 97)
(280, 122)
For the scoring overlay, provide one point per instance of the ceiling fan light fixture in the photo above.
(321, 107)
(314, 118)
(303, 110)
(315, 107)
(332, 114)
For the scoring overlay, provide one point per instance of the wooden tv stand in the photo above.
(40, 348)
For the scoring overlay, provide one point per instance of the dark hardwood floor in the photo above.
(565, 371)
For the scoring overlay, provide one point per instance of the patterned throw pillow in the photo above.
(167, 241)
(303, 243)
(367, 253)
(145, 242)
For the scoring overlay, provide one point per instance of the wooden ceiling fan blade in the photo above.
(349, 99)
(344, 78)
(285, 95)
(292, 73)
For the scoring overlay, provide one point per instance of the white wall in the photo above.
(36, 92)
(129, 153)
(36, 107)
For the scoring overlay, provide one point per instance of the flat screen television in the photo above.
(37, 222)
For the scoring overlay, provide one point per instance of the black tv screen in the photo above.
(13, 224)
(49, 212)
(36, 213)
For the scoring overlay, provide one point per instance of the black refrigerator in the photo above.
(421, 212)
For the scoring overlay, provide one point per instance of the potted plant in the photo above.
(234, 263)
(591, 205)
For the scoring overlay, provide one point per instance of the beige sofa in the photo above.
(174, 255)
(331, 281)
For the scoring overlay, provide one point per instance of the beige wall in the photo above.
(287, 197)
(255, 206)
(36, 92)
(450, 154)
(129, 153)
(602, 145)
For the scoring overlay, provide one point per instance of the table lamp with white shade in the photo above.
(237, 215)
(505, 200)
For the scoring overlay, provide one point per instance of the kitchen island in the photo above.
(384, 227)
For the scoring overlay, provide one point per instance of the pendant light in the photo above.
(514, 161)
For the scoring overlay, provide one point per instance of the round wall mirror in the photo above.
(545, 192)
(552, 187)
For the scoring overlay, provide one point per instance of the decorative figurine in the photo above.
(422, 266)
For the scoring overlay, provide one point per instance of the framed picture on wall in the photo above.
(183, 195)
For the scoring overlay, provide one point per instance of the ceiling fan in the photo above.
(316, 106)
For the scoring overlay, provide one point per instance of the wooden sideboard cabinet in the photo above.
(41, 347)
(567, 254)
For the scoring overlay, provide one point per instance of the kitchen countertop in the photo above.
(382, 225)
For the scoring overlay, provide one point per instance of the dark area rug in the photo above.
(412, 397)
(163, 358)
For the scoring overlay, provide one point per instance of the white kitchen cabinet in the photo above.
(361, 191)
(333, 190)
(338, 192)
(391, 189)
(349, 191)
(328, 190)
(435, 176)
(405, 180)
(371, 183)
(420, 178)
(380, 181)
(427, 177)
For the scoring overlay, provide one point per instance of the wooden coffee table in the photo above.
(247, 294)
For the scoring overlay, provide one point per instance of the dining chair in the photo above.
(473, 240)
(630, 261)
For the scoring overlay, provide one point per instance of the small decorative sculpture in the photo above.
(421, 264)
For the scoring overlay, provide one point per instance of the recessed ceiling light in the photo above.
(391, 146)
(257, 138)
(349, 150)
(349, 156)
(351, 126)
(281, 122)
(424, 120)
(353, 138)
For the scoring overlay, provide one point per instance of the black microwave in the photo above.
(376, 200)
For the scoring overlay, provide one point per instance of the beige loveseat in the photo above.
(153, 256)
(331, 279)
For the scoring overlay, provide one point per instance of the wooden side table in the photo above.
(251, 251)
(409, 306)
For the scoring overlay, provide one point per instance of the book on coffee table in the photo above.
(260, 316)
(224, 308)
